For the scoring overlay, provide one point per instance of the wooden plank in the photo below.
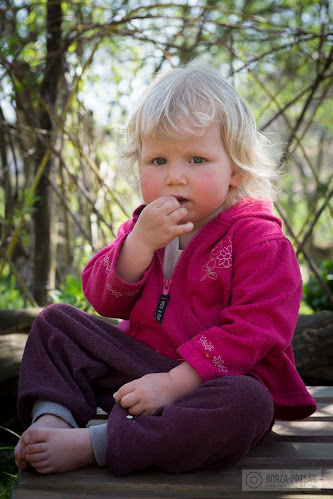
(296, 445)
(324, 410)
(284, 450)
(204, 483)
(24, 494)
(320, 391)
(304, 428)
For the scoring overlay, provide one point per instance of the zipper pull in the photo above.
(163, 301)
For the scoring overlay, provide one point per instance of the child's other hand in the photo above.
(146, 394)
(158, 223)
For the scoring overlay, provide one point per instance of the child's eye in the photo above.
(159, 161)
(197, 159)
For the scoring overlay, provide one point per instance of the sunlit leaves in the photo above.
(277, 54)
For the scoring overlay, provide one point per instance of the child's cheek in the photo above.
(151, 187)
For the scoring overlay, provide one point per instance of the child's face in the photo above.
(196, 170)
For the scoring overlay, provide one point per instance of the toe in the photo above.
(25, 438)
(18, 451)
(23, 465)
(19, 454)
(33, 436)
(37, 459)
(36, 448)
(45, 470)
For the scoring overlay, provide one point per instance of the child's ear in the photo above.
(236, 179)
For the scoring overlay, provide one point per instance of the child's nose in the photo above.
(175, 174)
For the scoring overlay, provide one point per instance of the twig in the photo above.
(19, 279)
(76, 221)
(316, 217)
(311, 263)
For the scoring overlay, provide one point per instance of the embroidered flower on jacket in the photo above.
(113, 291)
(220, 258)
(219, 363)
(205, 343)
(107, 264)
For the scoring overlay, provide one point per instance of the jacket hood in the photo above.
(249, 208)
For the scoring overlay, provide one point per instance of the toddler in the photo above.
(208, 288)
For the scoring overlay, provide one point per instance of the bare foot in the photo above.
(56, 450)
(45, 421)
(50, 445)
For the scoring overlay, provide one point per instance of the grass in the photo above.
(8, 472)
(8, 468)
(7, 485)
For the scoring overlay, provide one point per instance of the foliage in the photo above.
(10, 296)
(313, 293)
(7, 485)
(278, 55)
(8, 468)
(71, 292)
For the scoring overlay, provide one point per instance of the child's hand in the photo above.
(158, 223)
(156, 227)
(146, 394)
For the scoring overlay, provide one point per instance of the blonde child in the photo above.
(208, 288)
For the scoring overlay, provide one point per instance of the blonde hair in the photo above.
(185, 101)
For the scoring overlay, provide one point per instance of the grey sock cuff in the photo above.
(42, 407)
(98, 435)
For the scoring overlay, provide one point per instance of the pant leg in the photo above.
(216, 423)
(79, 360)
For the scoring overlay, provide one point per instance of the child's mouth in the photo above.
(181, 200)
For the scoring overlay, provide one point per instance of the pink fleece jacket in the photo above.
(229, 308)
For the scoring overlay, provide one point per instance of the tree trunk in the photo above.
(48, 92)
(313, 348)
(4, 172)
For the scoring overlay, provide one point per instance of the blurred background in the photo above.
(70, 71)
(69, 74)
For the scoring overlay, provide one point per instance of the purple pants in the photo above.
(79, 360)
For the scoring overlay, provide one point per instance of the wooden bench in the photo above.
(296, 454)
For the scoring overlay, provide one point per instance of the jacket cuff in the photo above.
(115, 282)
(204, 367)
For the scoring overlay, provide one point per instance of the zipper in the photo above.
(163, 300)
(165, 295)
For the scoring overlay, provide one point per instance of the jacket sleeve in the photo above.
(265, 296)
(108, 294)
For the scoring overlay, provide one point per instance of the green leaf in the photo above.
(10, 431)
